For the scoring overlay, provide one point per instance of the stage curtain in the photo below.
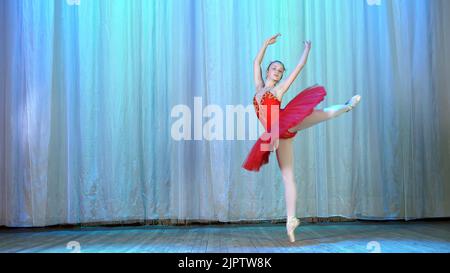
(87, 92)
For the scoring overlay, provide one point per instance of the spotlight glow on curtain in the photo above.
(87, 91)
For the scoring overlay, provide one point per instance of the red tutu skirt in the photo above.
(295, 111)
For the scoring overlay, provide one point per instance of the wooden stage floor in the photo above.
(343, 237)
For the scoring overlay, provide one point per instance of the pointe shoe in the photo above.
(351, 103)
(291, 225)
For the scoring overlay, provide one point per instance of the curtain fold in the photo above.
(88, 91)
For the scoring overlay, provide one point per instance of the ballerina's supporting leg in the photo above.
(285, 156)
(285, 152)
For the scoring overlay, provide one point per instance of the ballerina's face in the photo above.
(275, 72)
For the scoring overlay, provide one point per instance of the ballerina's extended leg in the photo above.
(320, 115)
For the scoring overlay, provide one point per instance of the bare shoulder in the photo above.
(259, 90)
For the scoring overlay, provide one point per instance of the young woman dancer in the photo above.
(298, 114)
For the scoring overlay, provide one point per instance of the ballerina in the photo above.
(298, 115)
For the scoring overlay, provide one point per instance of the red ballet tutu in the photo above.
(295, 111)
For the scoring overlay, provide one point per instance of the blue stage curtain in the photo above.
(86, 94)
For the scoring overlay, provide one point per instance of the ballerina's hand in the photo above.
(272, 39)
(307, 44)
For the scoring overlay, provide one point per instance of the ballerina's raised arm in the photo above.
(257, 73)
(284, 85)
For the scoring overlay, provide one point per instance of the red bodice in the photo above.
(268, 110)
